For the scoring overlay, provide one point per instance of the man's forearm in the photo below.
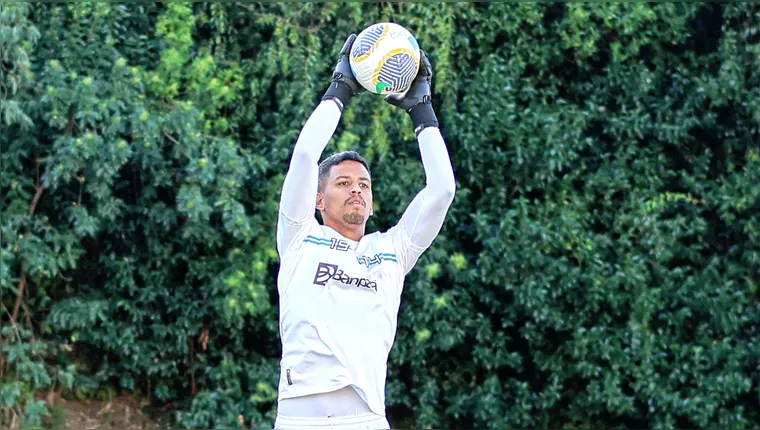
(299, 189)
(439, 174)
(423, 219)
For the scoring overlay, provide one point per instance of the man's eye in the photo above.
(343, 183)
(364, 185)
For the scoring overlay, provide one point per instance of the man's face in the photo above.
(347, 194)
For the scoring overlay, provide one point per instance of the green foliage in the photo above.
(28, 374)
(599, 266)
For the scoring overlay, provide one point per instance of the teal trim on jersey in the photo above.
(317, 240)
(379, 258)
(387, 256)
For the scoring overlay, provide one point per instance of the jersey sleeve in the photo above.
(299, 189)
(423, 218)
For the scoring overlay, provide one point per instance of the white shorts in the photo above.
(367, 421)
(340, 409)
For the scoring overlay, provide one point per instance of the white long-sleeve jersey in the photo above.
(339, 298)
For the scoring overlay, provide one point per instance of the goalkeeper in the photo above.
(340, 288)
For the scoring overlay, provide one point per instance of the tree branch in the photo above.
(15, 327)
(193, 390)
(171, 138)
(19, 293)
(36, 199)
(22, 279)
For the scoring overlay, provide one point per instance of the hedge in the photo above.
(599, 266)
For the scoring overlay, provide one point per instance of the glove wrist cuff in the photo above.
(340, 92)
(423, 116)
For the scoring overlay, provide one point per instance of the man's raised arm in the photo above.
(299, 189)
(423, 219)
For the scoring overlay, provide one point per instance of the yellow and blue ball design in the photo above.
(385, 58)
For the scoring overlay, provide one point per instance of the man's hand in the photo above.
(344, 84)
(416, 101)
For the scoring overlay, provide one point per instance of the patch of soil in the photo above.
(123, 412)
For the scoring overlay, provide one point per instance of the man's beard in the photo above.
(353, 218)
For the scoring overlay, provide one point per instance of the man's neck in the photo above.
(349, 231)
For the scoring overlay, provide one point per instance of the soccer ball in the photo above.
(385, 58)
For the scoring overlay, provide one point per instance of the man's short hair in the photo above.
(335, 159)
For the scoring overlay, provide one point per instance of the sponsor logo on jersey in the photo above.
(326, 271)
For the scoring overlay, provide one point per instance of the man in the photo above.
(340, 288)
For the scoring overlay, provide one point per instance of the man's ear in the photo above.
(320, 202)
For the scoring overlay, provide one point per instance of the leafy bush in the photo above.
(599, 267)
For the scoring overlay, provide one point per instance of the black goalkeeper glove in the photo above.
(416, 101)
(344, 84)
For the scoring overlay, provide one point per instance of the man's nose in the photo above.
(356, 189)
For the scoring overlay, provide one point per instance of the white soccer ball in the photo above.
(385, 58)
